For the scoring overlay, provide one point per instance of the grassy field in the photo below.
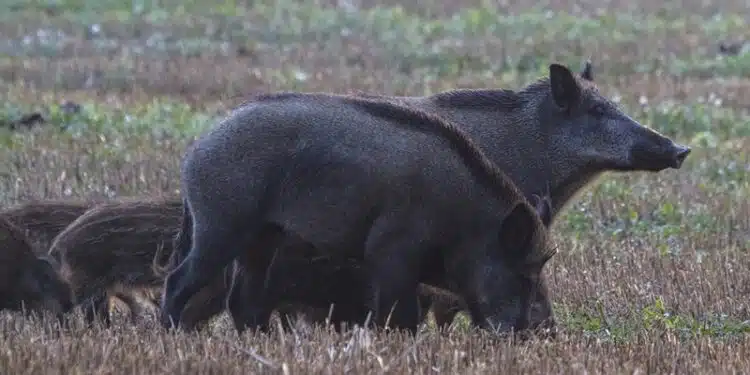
(652, 274)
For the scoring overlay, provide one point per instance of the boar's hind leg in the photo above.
(248, 308)
(214, 246)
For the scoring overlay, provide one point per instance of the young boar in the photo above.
(108, 251)
(396, 188)
(43, 220)
(28, 282)
(445, 305)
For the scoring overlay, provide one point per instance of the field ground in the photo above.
(652, 274)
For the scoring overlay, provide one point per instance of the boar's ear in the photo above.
(587, 72)
(517, 231)
(543, 209)
(565, 90)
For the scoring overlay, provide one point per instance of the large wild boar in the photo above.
(109, 249)
(558, 132)
(396, 188)
(28, 282)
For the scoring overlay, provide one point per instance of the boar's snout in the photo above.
(680, 154)
(655, 152)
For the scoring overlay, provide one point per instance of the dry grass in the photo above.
(652, 271)
(145, 349)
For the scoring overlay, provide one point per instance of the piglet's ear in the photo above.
(565, 90)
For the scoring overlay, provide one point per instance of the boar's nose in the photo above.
(681, 153)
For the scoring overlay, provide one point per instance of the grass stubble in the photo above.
(651, 276)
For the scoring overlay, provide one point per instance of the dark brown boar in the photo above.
(558, 132)
(391, 186)
(445, 305)
(28, 282)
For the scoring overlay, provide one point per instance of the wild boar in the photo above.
(28, 282)
(392, 186)
(108, 251)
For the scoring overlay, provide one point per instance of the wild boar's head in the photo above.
(589, 128)
(512, 292)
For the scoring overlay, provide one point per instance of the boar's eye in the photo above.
(598, 109)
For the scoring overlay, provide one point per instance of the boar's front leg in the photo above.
(207, 303)
(214, 247)
(390, 257)
(249, 302)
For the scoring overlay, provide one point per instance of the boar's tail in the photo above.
(161, 265)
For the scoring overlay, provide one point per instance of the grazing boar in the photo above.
(28, 282)
(108, 251)
(393, 187)
(316, 283)
(446, 305)
(42, 220)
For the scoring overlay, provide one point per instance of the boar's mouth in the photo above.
(653, 159)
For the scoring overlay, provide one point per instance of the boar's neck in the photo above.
(512, 140)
